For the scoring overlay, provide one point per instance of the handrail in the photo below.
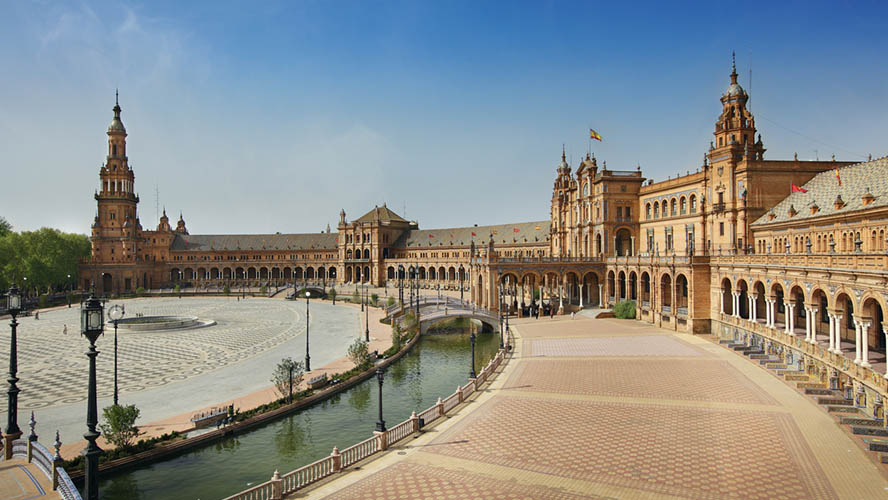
(259, 492)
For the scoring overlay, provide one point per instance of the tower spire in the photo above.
(562, 153)
(116, 97)
(733, 67)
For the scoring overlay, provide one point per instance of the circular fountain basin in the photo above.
(153, 323)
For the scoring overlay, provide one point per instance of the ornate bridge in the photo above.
(433, 310)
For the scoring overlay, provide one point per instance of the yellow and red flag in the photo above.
(837, 176)
(594, 135)
(796, 189)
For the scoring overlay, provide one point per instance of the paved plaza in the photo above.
(168, 373)
(616, 409)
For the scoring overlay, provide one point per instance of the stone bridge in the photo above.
(433, 310)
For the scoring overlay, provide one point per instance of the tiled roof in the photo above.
(824, 188)
(209, 242)
(503, 234)
(381, 214)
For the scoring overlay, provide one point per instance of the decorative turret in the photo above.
(180, 226)
(164, 222)
(735, 128)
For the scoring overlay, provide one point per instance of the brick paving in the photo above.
(574, 415)
(642, 345)
(693, 380)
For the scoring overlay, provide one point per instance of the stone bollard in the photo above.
(337, 460)
(475, 383)
(459, 391)
(277, 486)
(383, 439)
(56, 462)
(414, 419)
(440, 406)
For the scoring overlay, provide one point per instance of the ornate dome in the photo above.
(735, 90)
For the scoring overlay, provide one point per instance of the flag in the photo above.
(494, 231)
(594, 135)
(538, 228)
(796, 189)
(473, 234)
(516, 230)
(431, 235)
(837, 177)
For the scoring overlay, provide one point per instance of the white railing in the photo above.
(360, 451)
(327, 466)
(306, 475)
(66, 488)
(399, 431)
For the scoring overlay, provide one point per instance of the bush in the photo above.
(280, 377)
(119, 427)
(263, 289)
(178, 288)
(332, 294)
(625, 309)
(374, 299)
(390, 302)
(226, 290)
(356, 298)
(43, 301)
(358, 352)
(140, 291)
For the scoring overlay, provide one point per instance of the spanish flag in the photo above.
(594, 135)
(838, 178)
(796, 189)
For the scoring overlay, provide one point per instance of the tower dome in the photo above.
(734, 89)
(116, 124)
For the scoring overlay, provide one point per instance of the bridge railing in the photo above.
(280, 485)
(50, 465)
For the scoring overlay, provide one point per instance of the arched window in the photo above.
(673, 212)
(683, 205)
(586, 189)
(648, 211)
(664, 208)
(656, 209)
(693, 204)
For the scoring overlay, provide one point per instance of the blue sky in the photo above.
(261, 117)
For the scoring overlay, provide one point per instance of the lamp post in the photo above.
(91, 326)
(380, 425)
(363, 294)
(71, 289)
(116, 313)
(501, 317)
(472, 340)
(367, 318)
(401, 285)
(307, 357)
(290, 396)
(462, 275)
(13, 307)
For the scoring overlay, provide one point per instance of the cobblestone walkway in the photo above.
(609, 409)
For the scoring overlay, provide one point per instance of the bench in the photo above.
(317, 382)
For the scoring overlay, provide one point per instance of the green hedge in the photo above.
(625, 309)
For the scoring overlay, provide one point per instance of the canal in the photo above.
(432, 369)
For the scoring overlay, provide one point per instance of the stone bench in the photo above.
(317, 382)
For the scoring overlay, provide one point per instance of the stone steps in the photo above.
(841, 409)
(760, 355)
(811, 385)
(866, 430)
(875, 444)
(860, 421)
(835, 401)
(818, 391)
(796, 377)
(776, 365)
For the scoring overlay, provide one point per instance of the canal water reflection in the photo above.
(434, 368)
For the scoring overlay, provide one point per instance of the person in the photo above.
(36, 315)
(571, 315)
(65, 330)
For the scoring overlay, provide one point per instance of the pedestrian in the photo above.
(36, 315)
(571, 315)
(65, 330)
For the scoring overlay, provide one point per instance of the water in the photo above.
(433, 368)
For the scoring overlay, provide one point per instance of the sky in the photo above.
(259, 117)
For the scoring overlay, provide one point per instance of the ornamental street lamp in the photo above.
(13, 307)
(116, 313)
(290, 396)
(307, 357)
(71, 289)
(380, 425)
(462, 275)
(501, 317)
(472, 340)
(91, 326)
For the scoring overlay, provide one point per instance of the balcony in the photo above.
(718, 207)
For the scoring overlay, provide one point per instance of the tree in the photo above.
(332, 294)
(390, 302)
(374, 298)
(226, 290)
(5, 226)
(119, 427)
(356, 299)
(280, 377)
(397, 336)
(46, 257)
(358, 352)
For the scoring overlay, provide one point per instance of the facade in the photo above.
(722, 249)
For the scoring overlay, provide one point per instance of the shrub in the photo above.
(390, 302)
(356, 298)
(226, 290)
(358, 352)
(332, 294)
(140, 291)
(178, 288)
(625, 309)
(119, 427)
(374, 299)
(43, 301)
(280, 377)
(263, 289)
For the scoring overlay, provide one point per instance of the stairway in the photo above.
(873, 432)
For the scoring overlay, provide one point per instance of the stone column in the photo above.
(812, 318)
(736, 304)
(885, 332)
(753, 308)
(581, 297)
(832, 332)
(632, 251)
(856, 341)
(721, 300)
(837, 322)
(789, 319)
(807, 324)
(601, 295)
(864, 337)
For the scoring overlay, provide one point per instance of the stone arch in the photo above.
(591, 289)
(610, 286)
(572, 290)
(759, 295)
(633, 286)
(727, 296)
(846, 308)
(682, 294)
(873, 312)
(743, 290)
(390, 273)
(451, 273)
(348, 274)
(820, 300)
(442, 273)
(623, 242)
(288, 273)
(366, 254)
(621, 285)
(332, 273)
(365, 277)
(666, 292)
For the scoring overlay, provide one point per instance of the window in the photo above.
(627, 213)
(721, 228)
(656, 209)
(693, 204)
(619, 212)
(683, 205)
(623, 188)
(648, 211)
(673, 205)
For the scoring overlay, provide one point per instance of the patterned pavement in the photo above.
(577, 413)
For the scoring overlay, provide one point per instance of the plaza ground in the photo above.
(619, 409)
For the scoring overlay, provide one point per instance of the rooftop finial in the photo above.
(116, 97)
(562, 153)
(733, 62)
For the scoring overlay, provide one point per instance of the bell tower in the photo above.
(735, 128)
(116, 227)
